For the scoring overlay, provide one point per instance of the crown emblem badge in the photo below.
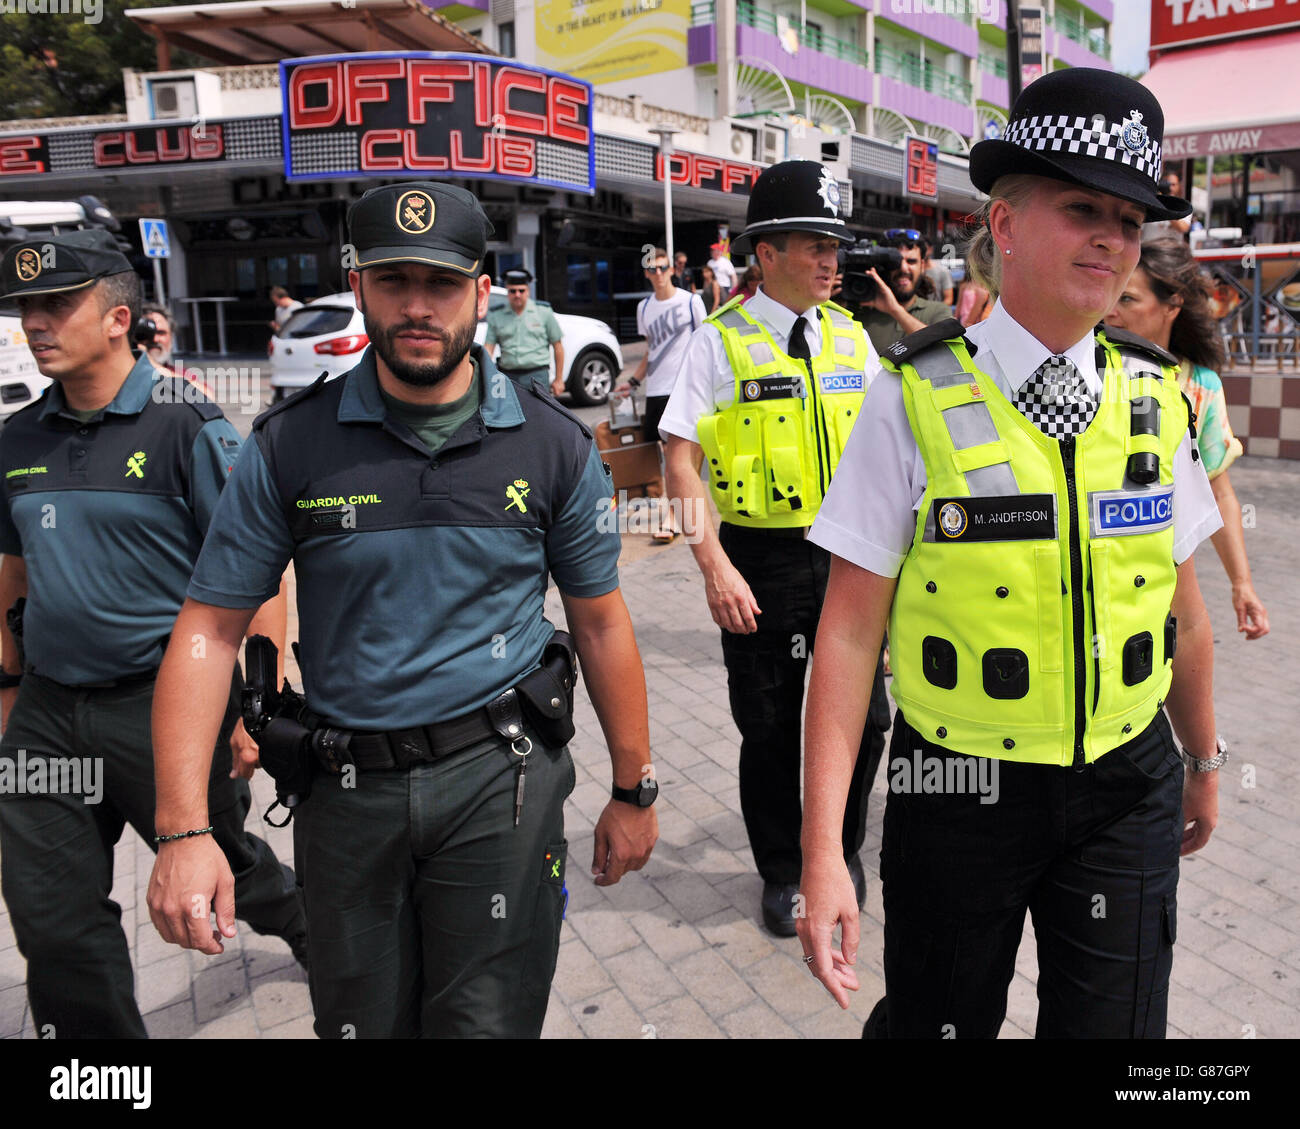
(1134, 133)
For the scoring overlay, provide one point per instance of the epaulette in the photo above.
(289, 401)
(913, 343)
(555, 405)
(180, 391)
(729, 304)
(1138, 344)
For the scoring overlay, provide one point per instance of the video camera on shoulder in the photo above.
(858, 286)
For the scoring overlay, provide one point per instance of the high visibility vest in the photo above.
(1031, 621)
(772, 452)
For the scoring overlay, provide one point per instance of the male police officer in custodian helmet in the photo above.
(769, 393)
(1022, 503)
(423, 497)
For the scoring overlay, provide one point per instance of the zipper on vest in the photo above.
(810, 397)
(1076, 600)
(823, 439)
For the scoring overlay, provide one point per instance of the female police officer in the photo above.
(1016, 501)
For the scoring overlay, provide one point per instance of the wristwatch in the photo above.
(642, 796)
(1208, 764)
(9, 681)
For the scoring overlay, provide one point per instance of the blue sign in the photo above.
(992, 131)
(157, 243)
(1116, 512)
(842, 382)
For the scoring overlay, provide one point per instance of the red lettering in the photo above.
(482, 94)
(103, 158)
(367, 81)
(462, 163)
(705, 169)
(15, 156)
(516, 156)
(209, 145)
(564, 102)
(328, 75)
(415, 160)
(166, 154)
(431, 80)
(733, 174)
(372, 161)
(511, 78)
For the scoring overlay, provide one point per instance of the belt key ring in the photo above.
(521, 747)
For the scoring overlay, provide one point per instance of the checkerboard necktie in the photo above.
(1056, 400)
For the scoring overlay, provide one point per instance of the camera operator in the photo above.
(895, 309)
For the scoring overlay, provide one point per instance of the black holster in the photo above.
(14, 621)
(274, 721)
(547, 692)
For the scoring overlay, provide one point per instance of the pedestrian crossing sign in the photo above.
(157, 243)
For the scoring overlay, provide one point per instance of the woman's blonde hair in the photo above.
(983, 257)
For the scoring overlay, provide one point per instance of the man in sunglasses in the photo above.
(525, 334)
(896, 309)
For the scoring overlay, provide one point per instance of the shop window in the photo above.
(277, 271)
(578, 270)
(245, 276)
(506, 39)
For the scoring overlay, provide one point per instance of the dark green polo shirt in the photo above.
(884, 330)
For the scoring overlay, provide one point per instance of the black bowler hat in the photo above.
(793, 196)
(1088, 127)
(517, 276)
(60, 262)
(419, 221)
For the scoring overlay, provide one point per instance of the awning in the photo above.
(266, 31)
(1239, 97)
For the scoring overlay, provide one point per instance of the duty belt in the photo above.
(403, 748)
(522, 371)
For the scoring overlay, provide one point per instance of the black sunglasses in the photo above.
(656, 269)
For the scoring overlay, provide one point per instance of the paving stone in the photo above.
(681, 1018)
(757, 1021)
(13, 969)
(737, 939)
(163, 983)
(218, 989)
(578, 975)
(667, 935)
(712, 982)
(280, 996)
(689, 894)
(604, 930)
(642, 977)
(175, 1022)
(300, 1028)
(784, 981)
(238, 1024)
(610, 1016)
(13, 1005)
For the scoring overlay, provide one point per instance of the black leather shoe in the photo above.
(778, 908)
(859, 879)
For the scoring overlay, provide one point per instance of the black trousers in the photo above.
(1091, 854)
(765, 678)
(57, 853)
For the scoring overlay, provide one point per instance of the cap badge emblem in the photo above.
(829, 191)
(415, 212)
(28, 264)
(1134, 133)
(952, 519)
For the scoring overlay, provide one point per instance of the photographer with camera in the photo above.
(889, 308)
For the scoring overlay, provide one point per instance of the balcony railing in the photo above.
(908, 68)
(905, 68)
(994, 65)
(1077, 31)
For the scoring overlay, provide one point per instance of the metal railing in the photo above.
(994, 65)
(908, 68)
(1078, 32)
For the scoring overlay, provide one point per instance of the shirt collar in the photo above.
(130, 400)
(1019, 353)
(780, 319)
(361, 400)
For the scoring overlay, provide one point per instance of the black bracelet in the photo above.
(9, 681)
(182, 835)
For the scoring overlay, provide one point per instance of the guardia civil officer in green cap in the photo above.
(526, 334)
(768, 395)
(424, 499)
(1021, 502)
(110, 482)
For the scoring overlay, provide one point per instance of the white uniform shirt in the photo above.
(869, 514)
(667, 327)
(707, 384)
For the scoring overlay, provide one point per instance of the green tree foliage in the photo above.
(58, 65)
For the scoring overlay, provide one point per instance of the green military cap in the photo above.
(60, 262)
(440, 225)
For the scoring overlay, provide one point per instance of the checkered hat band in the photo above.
(1086, 137)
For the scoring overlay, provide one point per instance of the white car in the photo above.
(329, 334)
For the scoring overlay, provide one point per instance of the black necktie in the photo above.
(798, 344)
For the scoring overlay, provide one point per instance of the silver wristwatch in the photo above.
(1208, 764)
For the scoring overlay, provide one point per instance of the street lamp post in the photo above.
(665, 134)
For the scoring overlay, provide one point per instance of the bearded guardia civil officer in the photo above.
(423, 497)
(110, 480)
(1022, 503)
(769, 393)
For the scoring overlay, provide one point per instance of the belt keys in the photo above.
(521, 747)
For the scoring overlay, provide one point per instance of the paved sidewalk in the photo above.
(676, 950)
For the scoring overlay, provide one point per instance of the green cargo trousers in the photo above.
(56, 853)
(430, 914)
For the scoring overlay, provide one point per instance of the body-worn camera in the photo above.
(858, 286)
